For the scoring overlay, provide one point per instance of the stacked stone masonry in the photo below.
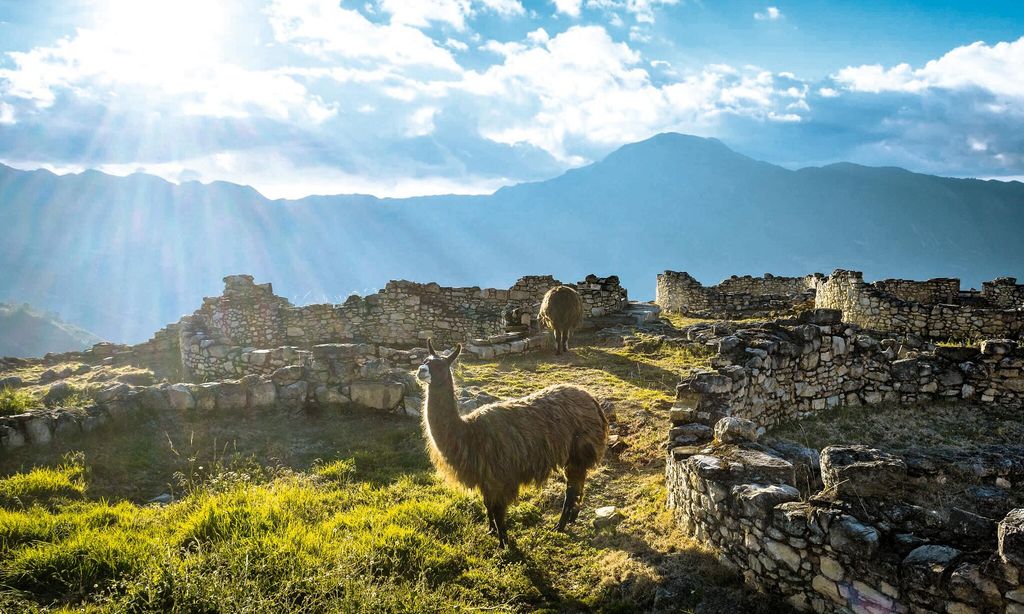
(249, 330)
(734, 298)
(847, 553)
(935, 309)
(830, 532)
(787, 370)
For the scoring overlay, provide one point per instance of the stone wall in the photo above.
(1004, 293)
(734, 298)
(328, 375)
(249, 330)
(844, 550)
(874, 306)
(790, 369)
(941, 290)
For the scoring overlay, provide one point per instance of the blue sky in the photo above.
(405, 97)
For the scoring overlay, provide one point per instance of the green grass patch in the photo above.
(15, 401)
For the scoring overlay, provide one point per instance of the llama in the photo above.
(502, 446)
(562, 312)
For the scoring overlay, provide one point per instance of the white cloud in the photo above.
(993, 68)
(6, 113)
(420, 13)
(642, 10)
(581, 90)
(505, 7)
(771, 13)
(323, 28)
(828, 92)
(568, 7)
(456, 44)
(504, 49)
(538, 36)
(152, 58)
(421, 123)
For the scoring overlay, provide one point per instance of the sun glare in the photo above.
(165, 34)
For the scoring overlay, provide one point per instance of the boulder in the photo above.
(925, 566)
(607, 516)
(853, 537)
(377, 395)
(860, 471)
(735, 430)
(1010, 535)
(758, 500)
(180, 398)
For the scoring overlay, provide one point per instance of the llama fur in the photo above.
(562, 312)
(503, 446)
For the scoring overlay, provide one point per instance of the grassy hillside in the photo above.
(341, 511)
(26, 332)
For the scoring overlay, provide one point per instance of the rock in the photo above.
(735, 430)
(286, 376)
(330, 396)
(831, 568)
(412, 406)
(263, 394)
(180, 398)
(860, 471)
(1010, 536)
(926, 565)
(56, 394)
(972, 526)
(10, 382)
(377, 395)
(758, 500)
(162, 499)
(152, 399)
(851, 536)
(231, 395)
(690, 434)
(607, 516)
(782, 552)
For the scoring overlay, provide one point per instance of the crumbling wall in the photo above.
(736, 297)
(869, 306)
(855, 547)
(1003, 293)
(782, 372)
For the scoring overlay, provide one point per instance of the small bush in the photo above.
(16, 401)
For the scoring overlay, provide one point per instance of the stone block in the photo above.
(377, 395)
(860, 471)
(1010, 537)
(851, 536)
(758, 500)
(925, 566)
(735, 430)
(180, 398)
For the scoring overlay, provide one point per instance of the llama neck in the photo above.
(442, 416)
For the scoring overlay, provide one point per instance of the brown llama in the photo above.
(562, 312)
(502, 446)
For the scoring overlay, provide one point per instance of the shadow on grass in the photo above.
(137, 459)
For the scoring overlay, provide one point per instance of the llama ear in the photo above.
(430, 348)
(454, 354)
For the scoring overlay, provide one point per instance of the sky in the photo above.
(410, 97)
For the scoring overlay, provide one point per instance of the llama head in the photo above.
(437, 367)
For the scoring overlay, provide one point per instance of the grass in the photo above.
(15, 401)
(341, 511)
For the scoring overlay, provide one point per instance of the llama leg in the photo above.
(492, 526)
(565, 341)
(499, 522)
(558, 342)
(571, 496)
(574, 478)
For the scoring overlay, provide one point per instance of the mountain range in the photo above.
(122, 256)
(27, 332)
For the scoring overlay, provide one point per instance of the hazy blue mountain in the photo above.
(27, 332)
(123, 256)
